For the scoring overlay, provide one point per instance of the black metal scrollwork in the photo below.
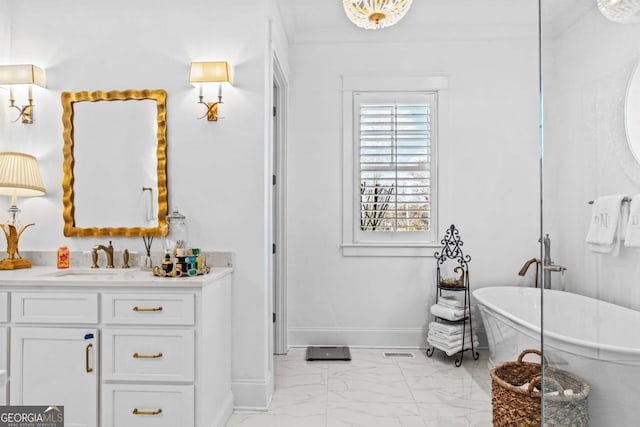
(452, 248)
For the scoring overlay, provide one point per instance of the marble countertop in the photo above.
(116, 277)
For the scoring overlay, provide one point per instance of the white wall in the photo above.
(488, 183)
(586, 153)
(216, 170)
(5, 44)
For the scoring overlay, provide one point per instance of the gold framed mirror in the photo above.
(114, 169)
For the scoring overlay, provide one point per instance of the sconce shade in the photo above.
(21, 74)
(19, 175)
(210, 72)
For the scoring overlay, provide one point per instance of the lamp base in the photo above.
(14, 264)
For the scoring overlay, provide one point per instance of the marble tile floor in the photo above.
(373, 391)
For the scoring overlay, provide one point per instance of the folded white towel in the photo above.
(632, 236)
(450, 301)
(437, 335)
(447, 312)
(606, 225)
(446, 328)
(451, 350)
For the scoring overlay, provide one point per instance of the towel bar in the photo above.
(626, 199)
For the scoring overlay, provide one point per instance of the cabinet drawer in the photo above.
(148, 355)
(4, 307)
(147, 405)
(148, 309)
(59, 307)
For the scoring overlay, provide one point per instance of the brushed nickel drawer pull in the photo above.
(87, 368)
(147, 356)
(136, 308)
(137, 412)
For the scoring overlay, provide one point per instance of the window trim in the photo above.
(351, 245)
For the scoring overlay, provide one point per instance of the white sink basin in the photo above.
(88, 273)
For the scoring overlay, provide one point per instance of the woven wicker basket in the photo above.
(514, 405)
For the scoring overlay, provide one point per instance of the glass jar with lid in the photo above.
(176, 239)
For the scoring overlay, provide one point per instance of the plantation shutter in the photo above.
(394, 134)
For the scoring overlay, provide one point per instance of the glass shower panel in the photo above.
(591, 296)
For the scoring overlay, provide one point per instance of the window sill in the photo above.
(389, 249)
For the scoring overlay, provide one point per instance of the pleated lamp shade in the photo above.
(19, 175)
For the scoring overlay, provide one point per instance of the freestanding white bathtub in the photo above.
(595, 340)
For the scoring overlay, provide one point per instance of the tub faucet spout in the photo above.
(526, 266)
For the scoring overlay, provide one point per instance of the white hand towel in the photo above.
(606, 225)
(632, 237)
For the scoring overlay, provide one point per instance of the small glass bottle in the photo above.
(63, 257)
(167, 264)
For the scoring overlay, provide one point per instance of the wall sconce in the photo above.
(19, 176)
(203, 73)
(27, 74)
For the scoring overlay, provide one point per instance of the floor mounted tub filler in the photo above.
(595, 340)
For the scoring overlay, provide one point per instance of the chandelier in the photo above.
(625, 11)
(374, 14)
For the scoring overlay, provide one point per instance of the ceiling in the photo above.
(325, 20)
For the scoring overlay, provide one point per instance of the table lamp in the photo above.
(19, 176)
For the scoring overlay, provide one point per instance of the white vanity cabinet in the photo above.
(136, 352)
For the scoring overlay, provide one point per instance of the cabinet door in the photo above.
(4, 353)
(56, 366)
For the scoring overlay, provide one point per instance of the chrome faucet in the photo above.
(108, 250)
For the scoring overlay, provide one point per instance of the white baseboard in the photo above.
(357, 337)
(225, 413)
(251, 394)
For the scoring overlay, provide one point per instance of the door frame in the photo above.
(279, 211)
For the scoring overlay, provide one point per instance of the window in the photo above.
(394, 135)
(390, 139)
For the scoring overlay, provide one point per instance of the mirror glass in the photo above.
(632, 113)
(114, 163)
